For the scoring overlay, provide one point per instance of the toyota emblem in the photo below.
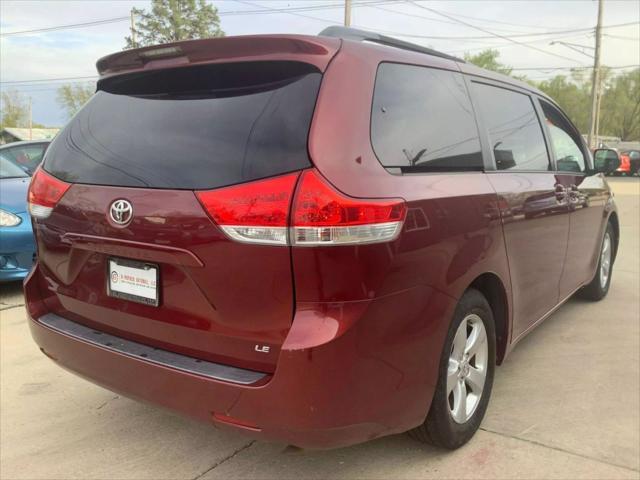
(121, 212)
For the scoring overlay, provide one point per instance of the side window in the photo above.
(35, 154)
(569, 156)
(27, 156)
(422, 118)
(514, 130)
(10, 153)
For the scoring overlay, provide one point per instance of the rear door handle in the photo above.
(561, 192)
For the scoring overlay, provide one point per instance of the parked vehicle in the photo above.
(17, 247)
(27, 154)
(319, 240)
(629, 162)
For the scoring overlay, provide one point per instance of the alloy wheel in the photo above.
(605, 260)
(467, 369)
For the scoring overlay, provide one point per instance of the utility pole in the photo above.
(30, 121)
(600, 93)
(347, 13)
(133, 29)
(595, 84)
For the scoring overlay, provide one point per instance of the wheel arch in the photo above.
(492, 287)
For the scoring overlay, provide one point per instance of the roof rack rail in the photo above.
(348, 33)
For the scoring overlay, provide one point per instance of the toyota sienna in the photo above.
(315, 239)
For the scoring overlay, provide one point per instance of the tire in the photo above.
(598, 287)
(440, 428)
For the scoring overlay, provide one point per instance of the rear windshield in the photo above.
(191, 128)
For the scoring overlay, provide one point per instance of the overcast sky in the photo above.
(73, 52)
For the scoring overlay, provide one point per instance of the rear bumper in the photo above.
(341, 377)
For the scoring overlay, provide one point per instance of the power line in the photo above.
(413, 15)
(294, 11)
(621, 37)
(60, 79)
(491, 33)
(64, 27)
(260, 11)
(35, 91)
(466, 37)
(271, 10)
(572, 68)
(455, 22)
(493, 21)
(486, 37)
(505, 45)
(280, 10)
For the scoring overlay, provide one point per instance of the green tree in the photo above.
(573, 94)
(488, 59)
(173, 20)
(72, 97)
(14, 109)
(620, 108)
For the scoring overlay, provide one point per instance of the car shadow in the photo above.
(11, 294)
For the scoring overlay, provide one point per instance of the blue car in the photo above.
(17, 247)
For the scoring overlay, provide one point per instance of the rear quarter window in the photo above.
(422, 119)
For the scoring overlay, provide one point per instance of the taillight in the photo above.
(255, 212)
(323, 216)
(45, 192)
(259, 212)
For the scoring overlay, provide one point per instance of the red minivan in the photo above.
(315, 239)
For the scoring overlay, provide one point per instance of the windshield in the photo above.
(8, 169)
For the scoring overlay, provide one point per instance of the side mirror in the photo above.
(606, 160)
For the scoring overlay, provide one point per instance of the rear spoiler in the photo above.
(317, 51)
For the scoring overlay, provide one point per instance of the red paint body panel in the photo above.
(356, 332)
(334, 352)
(204, 309)
(536, 229)
(452, 233)
(590, 204)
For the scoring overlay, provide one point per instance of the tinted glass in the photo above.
(190, 129)
(569, 156)
(514, 130)
(606, 160)
(8, 169)
(26, 156)
(422, 118)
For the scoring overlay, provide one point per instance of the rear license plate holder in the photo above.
(133, 280)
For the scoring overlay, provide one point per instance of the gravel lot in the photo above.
(566, 404)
